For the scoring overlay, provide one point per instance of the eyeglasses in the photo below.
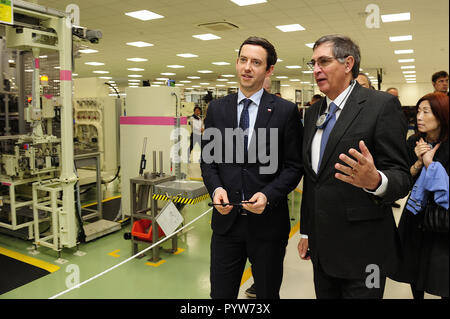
(322, 62)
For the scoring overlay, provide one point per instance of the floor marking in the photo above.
(103, 201)
(159, 263)
(29, 260)
(114, 253)
(179, 251)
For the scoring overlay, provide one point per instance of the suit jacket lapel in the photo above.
(230, 111)
(352, 108)
(265, 111)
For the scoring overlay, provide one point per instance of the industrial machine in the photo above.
(36, 137)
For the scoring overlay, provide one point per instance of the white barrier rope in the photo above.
(132, 257)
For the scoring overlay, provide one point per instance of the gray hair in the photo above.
(343, 47)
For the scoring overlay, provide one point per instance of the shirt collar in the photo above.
(343, 97)
(256, 98)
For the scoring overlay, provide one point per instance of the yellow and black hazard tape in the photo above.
(181, 200)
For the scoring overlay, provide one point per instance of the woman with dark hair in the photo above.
(425, 263)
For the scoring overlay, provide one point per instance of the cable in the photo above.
(118, 95)
(132, 257)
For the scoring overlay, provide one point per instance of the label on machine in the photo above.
(169, 218)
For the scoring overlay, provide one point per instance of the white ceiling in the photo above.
(172, 35)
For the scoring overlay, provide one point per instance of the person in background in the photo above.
(364, 80)
(440, 82)
(356, 165)
(196, 123)
(393, 91)
(425, 262)
(315, 98)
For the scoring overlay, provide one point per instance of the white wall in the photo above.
(409, 93)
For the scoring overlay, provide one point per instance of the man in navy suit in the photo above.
(356, 165)
(260, 162)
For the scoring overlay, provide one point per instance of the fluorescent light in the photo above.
(193, 77)
(408, 67)
(307, 72)
(105, 77)
(221, 63)
(43, 56)
(222, 80)
(134, 76)
(100, 72)
(196, 86)
(168, 73)
(408, 72)
(144, 15)
(406, 60)
(247, 2)
(205, 71)
(74, 74)
(184, 81)
(204, 83)
(409, 75)
(228, 75)
(140, 44)
(406, 16)
(179, 84)
(187, 55)
(206, 37)
(175, 66)
(310, 45)
(94, 63)
(137, 59)
(279, 60)
(294, 80)
(284, 85)
(220, 85)
(232, 82)
(404, 51)
(411, 82)
(88, 51)
(132, 80)
(162, 79)
(400, 38)
(135, 69)
(293, 67)
(290, 27)
(282, 77)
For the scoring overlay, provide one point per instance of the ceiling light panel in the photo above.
(140, 44)
(175, 66)
(206, 37)
(409, 51)
(205, 71)
(137, 59)
(94, 63)
(290, 27)
(136, 69)
(88, 51)
(247, 2)
(221, 63)
(187, 55)
(401, 38)
(406, 60)
(144, 15)
(406, 16)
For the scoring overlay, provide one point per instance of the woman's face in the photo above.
(426, 121)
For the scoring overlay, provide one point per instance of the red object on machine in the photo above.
(143, 230)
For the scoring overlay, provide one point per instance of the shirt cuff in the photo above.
(303, 236)
(381, 190)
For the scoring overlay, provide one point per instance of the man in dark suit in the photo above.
(235, 168)
(355, 159)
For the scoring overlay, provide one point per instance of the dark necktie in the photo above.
(327, 128)
(244, 121)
